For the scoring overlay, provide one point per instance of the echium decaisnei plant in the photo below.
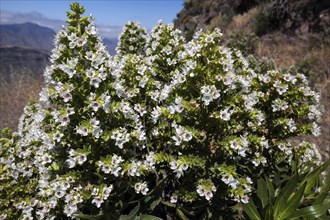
(166, 127)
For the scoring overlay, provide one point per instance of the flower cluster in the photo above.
(177, 120)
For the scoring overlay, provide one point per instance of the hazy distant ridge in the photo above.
(31, 35)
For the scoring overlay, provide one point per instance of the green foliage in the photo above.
(301, 196)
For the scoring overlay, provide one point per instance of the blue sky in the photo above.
(109, 15)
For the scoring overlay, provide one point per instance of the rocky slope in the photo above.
(291, 16)
(22, 60)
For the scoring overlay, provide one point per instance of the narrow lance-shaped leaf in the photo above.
(251, 210)
(292, 204)
(262, 192)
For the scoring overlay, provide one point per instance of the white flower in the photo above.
(234, 145)
(245, 199)
(81, 41)
(133, 170)
(173, 199)
(242, 151)
(64, 119)
(200, 191)
(143, 81)
(174, 165)
(82, 130)
(209, 38)
(248, 180)
(281, 146)
(210, 93)
(187, 136)
(316, 130)
(106, 168)
(67, 96)
(116, 160)
(115, 171)
(57, 136)
(81, 158)
(71, 162)
(287, 77)
(65, 185)
(106, 191)
(156, 112)
(59, 193)
(70, 209)
(90, 29)
(94, 122)
(184, 166)
(225, 114)
(177, 139)
(97, 201)
(282, 89)
(95, 82)
(279, 105)
(95, 191)
(208, 195)
(291, 124)
(141, 188)
(233, 183)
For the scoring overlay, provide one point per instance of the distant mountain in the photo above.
(27, 35)
(111, 45)
(38, 37)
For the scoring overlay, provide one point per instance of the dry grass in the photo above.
(287, 51)
(15, 94)
(242, 22)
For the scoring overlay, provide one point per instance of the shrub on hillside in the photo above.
(165, 128)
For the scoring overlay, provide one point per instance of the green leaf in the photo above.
(292, 204)
(269, 213)
(181, 214)
(132, 213)
(313, 177)
(251, 210)
(271, 191)
(262, 192)
(111, 213)
(323, 193)
(310, 212)
(90, 217)
(152, 199)
(284, 195)
(168, 204)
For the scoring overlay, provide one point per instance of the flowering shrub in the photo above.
(166, 126)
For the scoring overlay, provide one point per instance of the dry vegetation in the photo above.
(15, 94)
(242, 22)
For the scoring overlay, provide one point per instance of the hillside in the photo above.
(27, 35)
(291, 17)
(21, 60)
(292, 34)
